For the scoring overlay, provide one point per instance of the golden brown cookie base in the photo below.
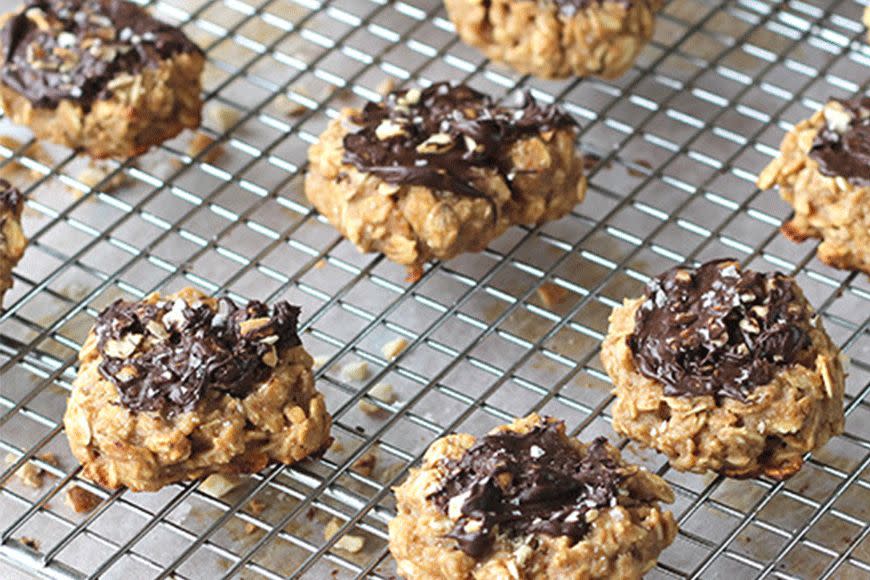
(411, 224)
(144, 110)
(622, 542)
(12, 244)
(283, 420)
(536, 38)
(794, 414)
(828, 208)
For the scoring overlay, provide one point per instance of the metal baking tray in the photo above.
(673, 149)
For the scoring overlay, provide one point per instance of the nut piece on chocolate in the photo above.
(557, 38)
(724, 369)
(179, 387)
(429, 174)
(527, 501)
(12, 240)
(103, 76)
(823, 171)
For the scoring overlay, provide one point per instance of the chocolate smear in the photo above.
(842, 147)
(719, 330)
(534, 483)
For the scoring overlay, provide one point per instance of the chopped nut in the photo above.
(256, 506)
(270, 359)
(389, 129)
(454, 506)
(122, 348)
(683, 277)
(355, 371)
(749, 326)
(218, 485)
(394, 348)
(551, 294)
(837, 118)
(411, 97)
(223, 117)
(29, 474)
(437, 143)
(249, 326)
(350, 543)
(38, 17)
(200, 143)
(388, 189)
(386, 86)
(157, 330)
(382, 392)
(365, 465)
(760, 311)
(81, 500)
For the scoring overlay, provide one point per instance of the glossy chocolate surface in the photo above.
(164, 357)
(719, 330)
(842, 149)
(74, 49)
(444, 137)
(526, 484)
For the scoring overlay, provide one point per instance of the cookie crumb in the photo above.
(223, 116)
(366, 464)
(319, 361)
(29, 474)
(291, 108)
(94, 174)
(394, 348)
(31, 543)
(256, 506)
(250, 528)
(348, 543)
(199, 143)
(337, 446)
(14, 167)
(382, 392)
(81, 500)
(551, 294)
(355, 371)
(386, 86)
(218, 485)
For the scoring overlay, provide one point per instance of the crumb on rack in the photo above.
(256, 506)
(348, 542)
(29, 473)
(382, 392)
(96, 173)
(200, 143)
(31, 543)
(551, 294)
(394, 348)
(81, 500)
(14, 167)
(366, 464)
(223, 116)
(250, 528)
(355, 371)
(218, 485)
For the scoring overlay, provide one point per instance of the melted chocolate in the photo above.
(524, 484)
(718, 330)
(10, 198)
(572, 7)
(444, 137)
(190, 349)
(73, 49)
(845, 151)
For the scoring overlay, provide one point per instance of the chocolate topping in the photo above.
(571, 7)
(444, 137)
(73, 49)
(165, 356)
(718, 330)
(842, 147)
(10, 198)
(524, 484)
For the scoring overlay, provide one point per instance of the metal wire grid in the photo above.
(679, 138)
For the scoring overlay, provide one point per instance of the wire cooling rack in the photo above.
(673, 149)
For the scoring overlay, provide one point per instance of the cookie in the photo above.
(178, 387)
(431, 174)
(12, 240)
(102, 76)
(557, 38)
(527, 501)
(823, 171)
(726, 370)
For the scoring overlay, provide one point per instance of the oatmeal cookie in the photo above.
(557, 38)
(527, 501)
(725, 370)
(431, 174)
(12, 240)
(98, 75)
(823, 171)
(178, 387)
